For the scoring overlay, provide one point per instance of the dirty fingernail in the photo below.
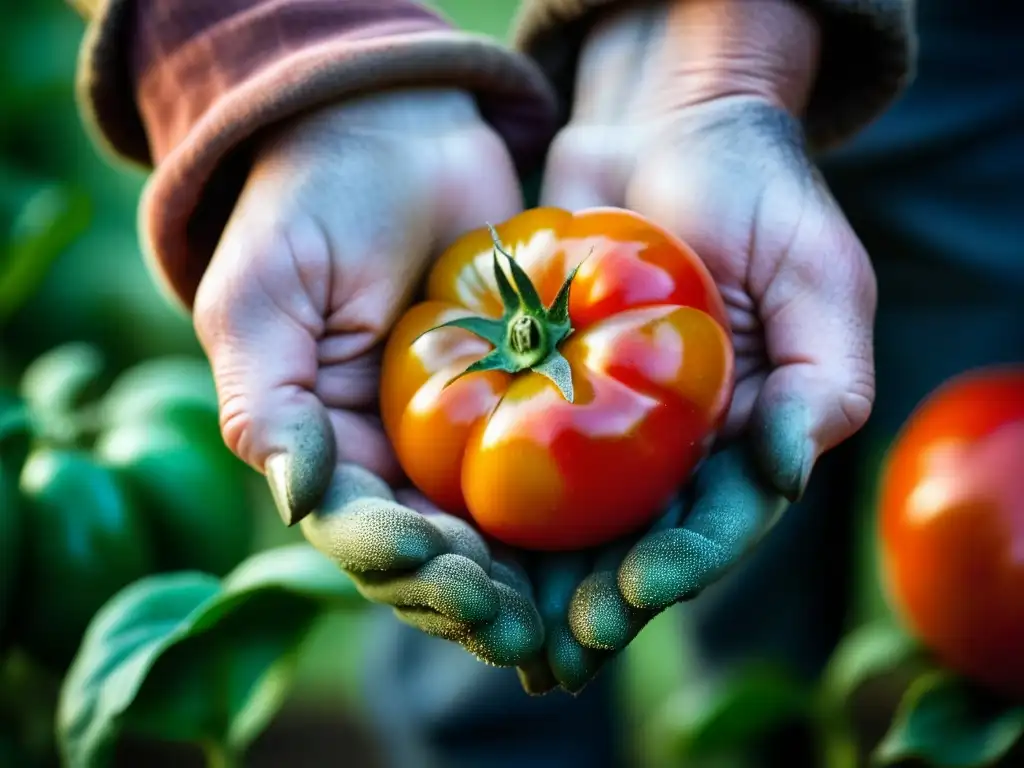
(784, 448)
(299, 477)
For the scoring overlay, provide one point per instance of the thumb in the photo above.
(264, 363)
(818, 318)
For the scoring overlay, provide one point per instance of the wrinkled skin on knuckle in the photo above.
(589, 161)
(236, 425)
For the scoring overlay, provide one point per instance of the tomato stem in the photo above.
(527, 339)
(528, 334)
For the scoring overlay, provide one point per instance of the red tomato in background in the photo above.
(651, 366)
(952, 526)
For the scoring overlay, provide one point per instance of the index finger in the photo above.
(733, 508)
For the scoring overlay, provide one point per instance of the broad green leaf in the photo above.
(14, 445)
(868, 652)
(32, 78)
(188, 657)
(742, 709)
(157, 385)
(60, 380)
(11, 528)
(48, 222)
(15, 426)
(949, 723)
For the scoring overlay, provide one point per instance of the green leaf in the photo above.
(745, 708)
(59, 381)
(84, 541)
(489, 330)
(495, 360)
(558, 315)
(15, 424)
(868, 652)
(524, 286)
(15, 441)
(509, 298)
(156, 386)
(528, 295)
(556, 369)
(187, 657)
(949, 723)
(194, 492)
(49, 222)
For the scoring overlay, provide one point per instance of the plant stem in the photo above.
(836, 740)
(220, 755)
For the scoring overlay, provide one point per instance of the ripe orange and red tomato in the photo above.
(952, 526)
(602, 368)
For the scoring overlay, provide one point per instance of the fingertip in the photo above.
(780, 435)
(300, 475)
(457, 587)
(514, 635)
(372, 534)
(798, 417)
(461, 537)
(573, 665)
(666, 567)
(598, 615)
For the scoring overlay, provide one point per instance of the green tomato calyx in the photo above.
(528, 334)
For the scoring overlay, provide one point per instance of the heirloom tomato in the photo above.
(952, 526)
(564, 375)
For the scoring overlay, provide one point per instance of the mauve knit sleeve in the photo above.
(182, 85)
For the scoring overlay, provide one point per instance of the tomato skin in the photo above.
(652, 370)
(952, 526)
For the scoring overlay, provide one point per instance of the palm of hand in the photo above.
(329, 240)
(325, 248)
(732, 179)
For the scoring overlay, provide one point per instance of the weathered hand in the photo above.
(707, 143)
(341, 215)
(434, 569)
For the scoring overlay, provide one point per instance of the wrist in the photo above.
(411, 113)
(689, 52)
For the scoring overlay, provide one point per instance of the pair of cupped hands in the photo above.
(342, 214)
